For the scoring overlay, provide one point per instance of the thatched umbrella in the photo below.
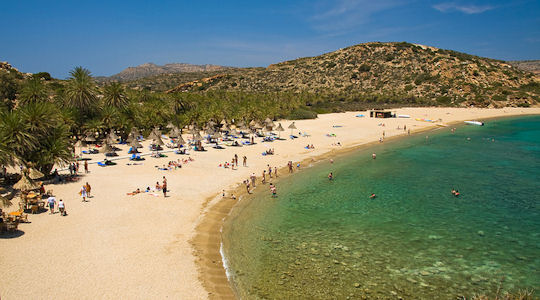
(134, 131)
(252, 123)
(26, 184)
(90, 138)
(79, 145)
(158, 141)
(197, 136)
(34, 174)
(106, 148)
(279, 129)
(174, 133)
(170, 125)
(135, 144)
(113, 135)
(223, 122)
(211, 123)
(292, 127)
(180, 140)
(152, 136)
(130, 137)
(240, 124)
(267, 120)
(233, 132)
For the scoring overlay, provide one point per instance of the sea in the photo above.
(327, 239)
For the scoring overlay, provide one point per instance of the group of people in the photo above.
(51, 202)
(310, 146)
(85, 191)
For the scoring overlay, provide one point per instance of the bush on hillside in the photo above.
(300, 114)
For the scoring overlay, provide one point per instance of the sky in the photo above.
(108, 36)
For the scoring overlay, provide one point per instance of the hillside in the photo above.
(532, 66)
(386, 72)
(150, 69)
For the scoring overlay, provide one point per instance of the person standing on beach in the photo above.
(263, 177)
(85, 166)
(253, 179)
(269, 171)
(62, 207)
(275, 171)
(236, 159)
(289, 164)
(52, 202)
(244, 163)
(164, 189)
(82, 192)
(88, 189)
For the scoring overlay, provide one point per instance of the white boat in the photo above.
(475, 123)
(403, 116)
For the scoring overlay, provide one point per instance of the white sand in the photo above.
(119, 246)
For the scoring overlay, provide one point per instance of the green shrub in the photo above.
(300, 114)
(42, 75)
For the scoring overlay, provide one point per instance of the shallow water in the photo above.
(324, 239)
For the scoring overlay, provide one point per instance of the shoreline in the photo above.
(207, 242)
(118, 244)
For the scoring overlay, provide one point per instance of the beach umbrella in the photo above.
(130, 137)
(279, 129)
(223, 122)
(180, 140)
(135, 143)
(240, 124)
(26, 184)
(233, 132)
(158, 141)
(134, 131)
(112, 135)
(106, 148)
(34, 174)
(211, 123)
(197, 136)
(267, 120)
(152, 135)
(79, 145)
(170, 125)
(292, 127)
(174, 133)
(90, 138)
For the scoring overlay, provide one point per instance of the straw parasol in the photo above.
(279, 129)
(113, 135)
(106, 148)
(180, 140)
(174, 133)
(211, 123)
(152, 136)
(170, 125)
(130, 137)
(197, 136)
(34, 174)
(158, 141)
(90, 138)
(292, 127)
(135, 143)
(26, 184)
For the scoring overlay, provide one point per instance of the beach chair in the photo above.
(101, 164)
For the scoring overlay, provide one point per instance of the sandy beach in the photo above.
(148, 246)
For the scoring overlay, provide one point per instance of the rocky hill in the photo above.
(150, 69)
(532, 66)
(397, 72)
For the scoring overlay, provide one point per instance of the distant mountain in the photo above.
(387, 73)
(532, 66)
(150, 69)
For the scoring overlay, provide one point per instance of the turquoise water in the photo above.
(324, 239)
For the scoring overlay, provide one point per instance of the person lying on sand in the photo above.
(135, 192)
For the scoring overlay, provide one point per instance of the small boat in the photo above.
(403, 116)
(474, 123)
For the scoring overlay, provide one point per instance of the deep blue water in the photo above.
(327, 239)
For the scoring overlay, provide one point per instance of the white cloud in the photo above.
(344, 15)
(464, 8)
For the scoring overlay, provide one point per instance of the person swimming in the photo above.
(330, 176)
(373, 196)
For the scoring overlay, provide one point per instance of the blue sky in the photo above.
(108, 36)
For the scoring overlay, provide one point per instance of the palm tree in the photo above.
(33, 91)
(81, 91)
(15, 139)
(115, 96)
